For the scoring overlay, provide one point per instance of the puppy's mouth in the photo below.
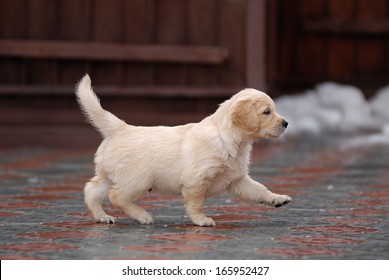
(274, 135)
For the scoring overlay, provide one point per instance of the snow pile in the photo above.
(379, 106)
(337, 108)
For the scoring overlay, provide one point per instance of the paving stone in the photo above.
(340, 209)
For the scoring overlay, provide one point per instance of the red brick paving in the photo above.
(61, 234)
(57, 189)
(243, 208)
(10, 214)
(298, 179)
(10, 176)
(40, 197)
(34, 247)
(299, 252)
(24, 164)
(336, 229)
(19, 257)
(22, 205)
(351, 221)
(235, 218)
(191, 237)
(316, 170)
(217, 227)
(290, 185)
(170, 248)
(369, 202)
(82, 224)
(378, 186)
(81, 214)
(381, 194)
(348, 221)
(360, 212)
(319, 240)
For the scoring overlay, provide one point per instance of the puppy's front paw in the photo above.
(145, 218)
(204, 222)
(280, 200)
(106, 219)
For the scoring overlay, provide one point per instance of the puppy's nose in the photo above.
(285, 123)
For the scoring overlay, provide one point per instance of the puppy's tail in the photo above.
(105, 122)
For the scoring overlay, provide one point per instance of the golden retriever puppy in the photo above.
(196, 160)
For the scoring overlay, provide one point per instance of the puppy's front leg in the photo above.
(194, 204)
(246, 188)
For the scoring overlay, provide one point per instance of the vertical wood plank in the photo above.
(341, 8)
(309, 8)
(72, 27)
(371, 51)
(386, 46)
(11, 26)
(42, 24)
(312, 58)
(171, 23)
(312, 48)
(11, 19)
(42, 19)
(341, 50)
(273, 43)
(372, 9)
(232, 34)
(139, 28)
(202, 22)
(107, 21)
(370, 54)
(72, 23)
(202, 31)
(107, 27)
(341, 59)
(289, 26)
(256, 66)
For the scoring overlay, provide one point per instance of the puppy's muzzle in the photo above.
(285, 123)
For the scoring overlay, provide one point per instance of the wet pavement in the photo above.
(340, 208)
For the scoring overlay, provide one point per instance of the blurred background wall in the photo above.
(167, 62)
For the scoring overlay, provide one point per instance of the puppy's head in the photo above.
(253, 112)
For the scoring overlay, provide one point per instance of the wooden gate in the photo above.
(168, 61)
(339, 40)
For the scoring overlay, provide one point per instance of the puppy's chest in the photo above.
(223, 175)
(234, 168)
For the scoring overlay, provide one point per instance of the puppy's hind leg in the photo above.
(194, 204)
(94, 193)
(125, 198)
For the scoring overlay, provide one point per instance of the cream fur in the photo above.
(195, 160)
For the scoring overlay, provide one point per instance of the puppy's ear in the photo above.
(244, 115)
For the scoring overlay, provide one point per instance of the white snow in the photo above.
(379, 106)
(332, 107)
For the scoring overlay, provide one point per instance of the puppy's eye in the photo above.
(266, 112)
